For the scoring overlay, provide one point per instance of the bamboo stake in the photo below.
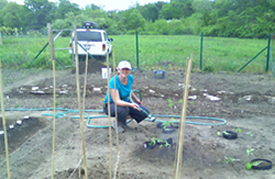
(4, 122)
(181, 131)
(84, 98)
(51, 47)
(117, 137)
(109, 117)
(79, 103)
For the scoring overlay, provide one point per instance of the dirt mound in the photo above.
(93, 66)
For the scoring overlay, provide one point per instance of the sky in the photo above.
(107, 5)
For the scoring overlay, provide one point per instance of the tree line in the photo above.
(222, 18)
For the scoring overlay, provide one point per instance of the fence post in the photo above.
(137, 49)
(268, 52)
(201, 50)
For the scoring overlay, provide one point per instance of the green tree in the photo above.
(14, 15)
(65, 6)
(134, 20)
(3, 3)
(42, 12)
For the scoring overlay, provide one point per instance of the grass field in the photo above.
(219, 54)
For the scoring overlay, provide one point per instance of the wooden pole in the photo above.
(181, 131)
(4, 122)
(51, 47)
(117, 169)
(109, 117)
(79, 102)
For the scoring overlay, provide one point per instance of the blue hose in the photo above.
(63, 114)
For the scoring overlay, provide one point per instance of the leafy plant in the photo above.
(255, 163)
(230, 159)
(250, 134)
(238, 129)
(152, 142)
(165, 124)
(163, 143)
(249, 152)
(171, 104)
(16, 106)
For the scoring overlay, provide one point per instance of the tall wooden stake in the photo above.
(51, 47)
(79, 103)
(4, 122)
(181, 131)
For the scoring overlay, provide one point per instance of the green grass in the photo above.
(219, 54)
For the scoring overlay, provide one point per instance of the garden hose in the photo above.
(151, 118)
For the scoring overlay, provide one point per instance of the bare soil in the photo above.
(245, 101)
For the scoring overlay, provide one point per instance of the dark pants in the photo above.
(123, 112)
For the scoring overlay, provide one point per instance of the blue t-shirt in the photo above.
(123, 90)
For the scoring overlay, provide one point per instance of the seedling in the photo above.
(153, 141)
(16, 106)
(180, 101)
(171, 104)
(166, 144)
(165, 124)
(250, 134)
(224, 132)
(249, 152)
(238, 129)
(255, 163)
(231, 159)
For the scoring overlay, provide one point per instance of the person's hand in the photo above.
(140, 102)
(135, 106)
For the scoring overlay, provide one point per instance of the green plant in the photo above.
(152, 142)
(161, 141)
(165, 124)
(249, 152)
(224, 132)
(238, 129)
(230, 159)
(255, 163)
(171, 104)
(250, 134)
(16, 106)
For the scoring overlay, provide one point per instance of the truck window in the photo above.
(89, 36)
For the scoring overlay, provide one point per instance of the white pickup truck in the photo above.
(96, 39)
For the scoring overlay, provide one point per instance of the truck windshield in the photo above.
(89, 36)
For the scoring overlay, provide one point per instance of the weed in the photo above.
(16, 106)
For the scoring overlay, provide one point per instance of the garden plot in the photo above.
(243, 100)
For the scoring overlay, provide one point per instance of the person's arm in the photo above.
(114, 93)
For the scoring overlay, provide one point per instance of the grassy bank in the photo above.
(219, 54)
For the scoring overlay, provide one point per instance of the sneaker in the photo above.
(119, 127)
